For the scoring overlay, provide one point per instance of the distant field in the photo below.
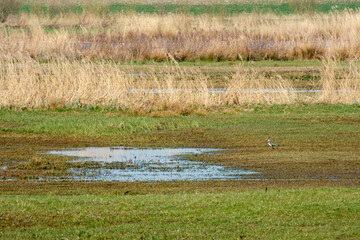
(197, 7)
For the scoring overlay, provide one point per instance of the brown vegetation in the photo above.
(80, 52)
(124, 37)
(57, 84)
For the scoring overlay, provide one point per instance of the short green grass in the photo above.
(279, 7)
(324, 213)
(112, 123)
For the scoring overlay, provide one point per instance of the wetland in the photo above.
(310, 138)
(149, 120)
(146, 164)
(314, 172)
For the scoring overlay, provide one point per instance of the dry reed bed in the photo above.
(185, 37)
(30, 84)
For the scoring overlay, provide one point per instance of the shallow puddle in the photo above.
(147, 164)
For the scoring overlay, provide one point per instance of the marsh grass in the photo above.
(252, 87)
(85, 84)
(340, 87)
(74, 84)
(141, 37)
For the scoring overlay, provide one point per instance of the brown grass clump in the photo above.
(77, 84)
(73, 84)
(343, 87)
(135, 36)
(252, 87)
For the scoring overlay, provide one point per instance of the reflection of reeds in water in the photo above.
(79, 84)
(185, 37)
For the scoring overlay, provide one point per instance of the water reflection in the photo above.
(147, 164)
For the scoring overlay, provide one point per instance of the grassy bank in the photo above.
(296, 214)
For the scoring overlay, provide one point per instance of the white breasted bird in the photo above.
(271, 144)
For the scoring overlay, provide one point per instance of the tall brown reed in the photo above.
(252, 87)
(185, 37)
(340, 87)
(77, 84)
(74, 84)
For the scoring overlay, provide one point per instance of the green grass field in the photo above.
(324, 213)
(196, 9)
(157, 7)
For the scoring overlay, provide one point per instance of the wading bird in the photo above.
(271, 144)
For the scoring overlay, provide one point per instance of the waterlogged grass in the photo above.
(317, 142)
(323, 213)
